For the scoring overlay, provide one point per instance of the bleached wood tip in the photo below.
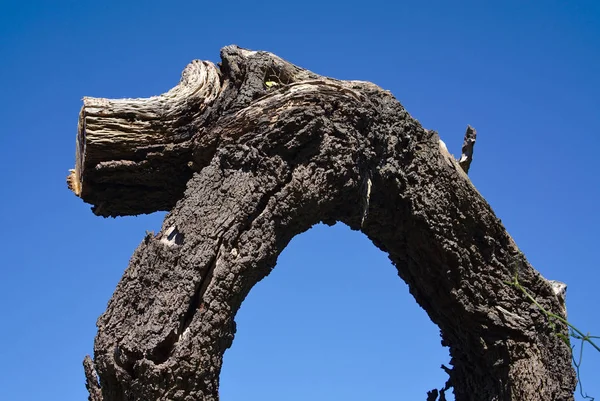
(73, 182)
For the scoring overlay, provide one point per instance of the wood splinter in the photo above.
(467, 149)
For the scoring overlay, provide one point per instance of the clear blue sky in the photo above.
(526, 74)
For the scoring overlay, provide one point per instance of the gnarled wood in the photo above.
(134, 155)
(278, 150)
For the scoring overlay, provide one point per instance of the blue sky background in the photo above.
(526, 74)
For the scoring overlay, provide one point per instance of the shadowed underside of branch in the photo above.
(254, 151)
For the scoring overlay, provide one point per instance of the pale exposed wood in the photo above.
(119, 137)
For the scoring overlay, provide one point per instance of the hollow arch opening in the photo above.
(332, 321)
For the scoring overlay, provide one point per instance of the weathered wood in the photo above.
(278, 150)
(91, 380)
(134, 155)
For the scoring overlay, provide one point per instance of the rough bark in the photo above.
(272, 150)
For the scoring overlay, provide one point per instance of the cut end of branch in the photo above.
(74, 179)
(73, 182)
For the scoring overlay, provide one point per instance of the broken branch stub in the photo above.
(134, 155)
(264, 162)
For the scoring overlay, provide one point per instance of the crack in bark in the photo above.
(163, 350)
(262, 205)
(196, 300)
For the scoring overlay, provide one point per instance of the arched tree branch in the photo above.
(252, 152)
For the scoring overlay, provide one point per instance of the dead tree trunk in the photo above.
(249, 154)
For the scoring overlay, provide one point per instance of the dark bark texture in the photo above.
(251, 153)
